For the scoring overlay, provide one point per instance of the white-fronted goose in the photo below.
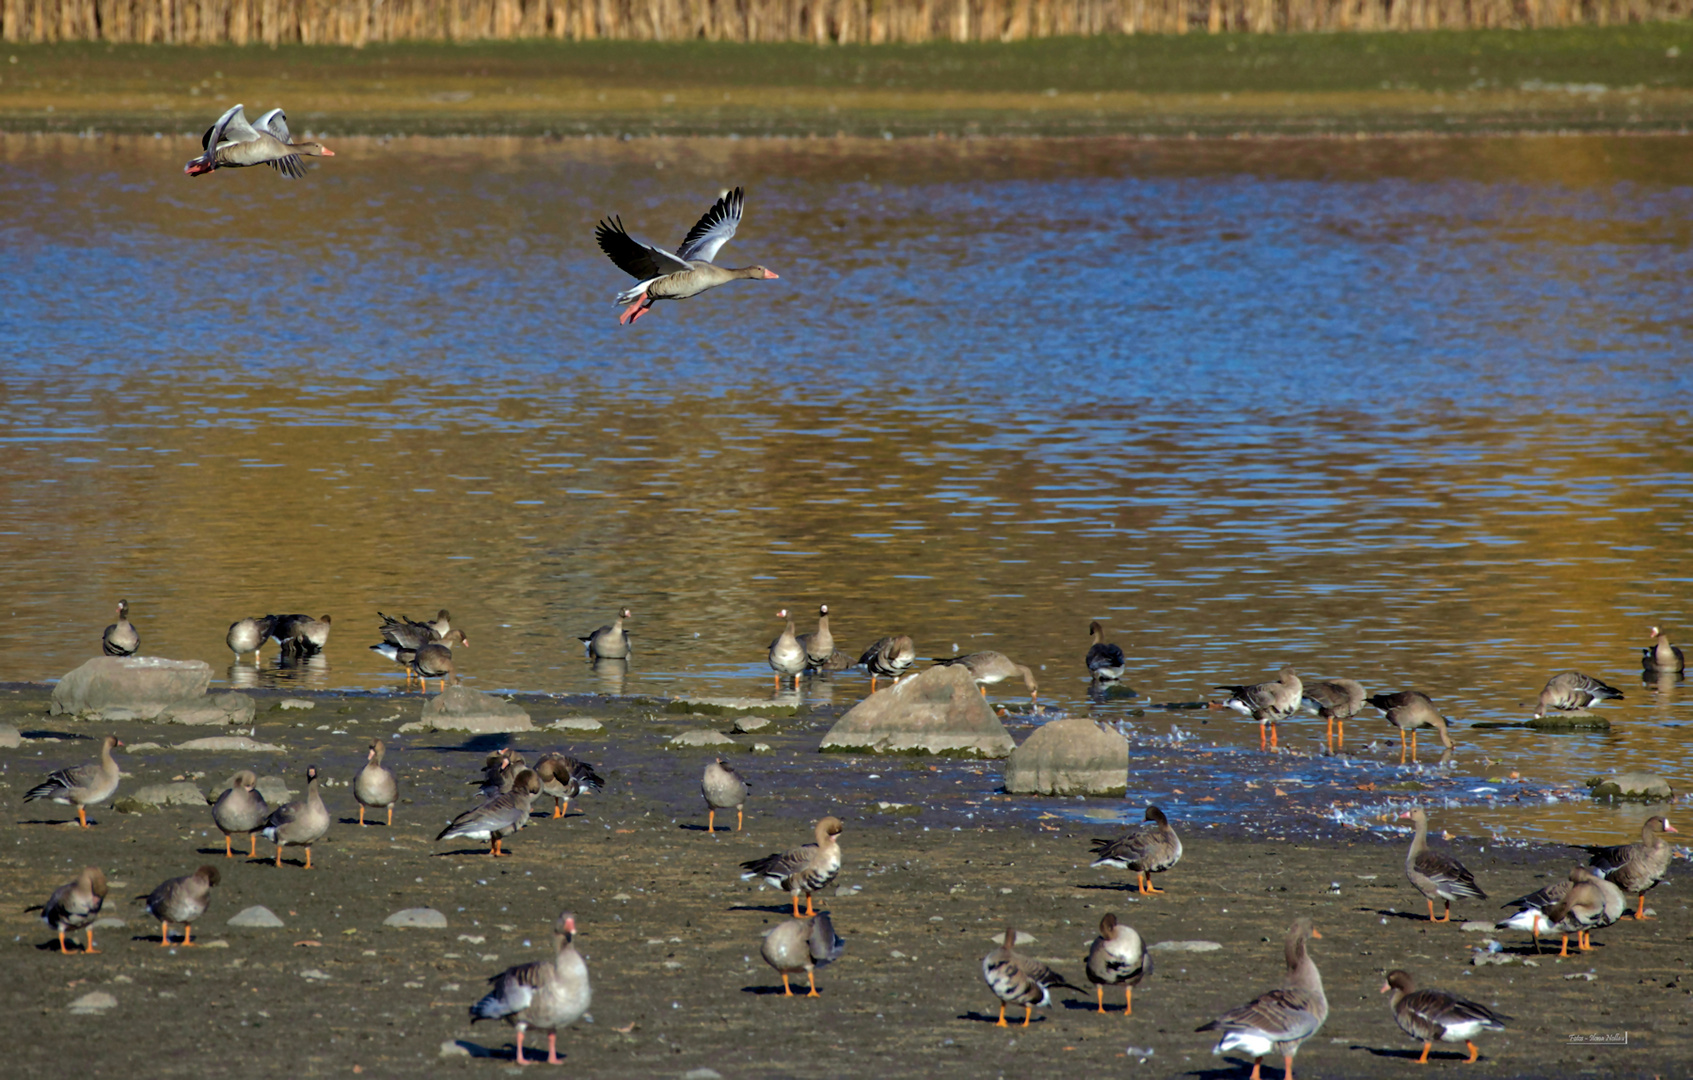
(1117, 958)
(182, 900)
(301, 636)
(1334, 700)
(546, 994)
(1409, 710)
(819, 645)
(120, 638)
(498, 771)
(1571, 691)
(440, 624)
(1662, 656)
(1150, 849)
(241, 809)
(1016, 979)
(234, 143)
(1639, 866)
(300, 823)
(375, 787)
(1433, 1016)
(609, 642)
(1283, 1018)
(1267, 702)
(1436, 874)
(75, 905)
(802, 944)
(723, 789)
(249, 636)
(408, 633)
(887, 658)
(82, 786)
(1105, 661)
(806, 869)
(662, 275)
(1580, 904)
(564, 778)
(787, 656)
(434, 660)
(403, 657)
(988, 668)
(499, 817)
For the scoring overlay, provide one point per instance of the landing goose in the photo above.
(806, 869)
(1580, 904)
(1334, 700)
(1117, 958)
(1436, 874)
(1571, 691)
(564, 778)
(434, 660)
(182, 900)
(689, 271)
(82, 786)
(1283, 1018)
(241, 810)
(249, 636)
(1268, 702)
(1662, 656)
(499, 817)
(75, 905)
(1020, 980)
(1409, 710)
(120, 638)
(802, 944)
(233, 142)
(819, 645)
(1105, 661)
(1150, 849)
(787, 656)
(724, 789)
(375, 787)
(301, 823)
(887, 658)
(609, 642)
(988, 668)
(546, 994)
(1639, 866)
(1436, 1016)
(301, 636)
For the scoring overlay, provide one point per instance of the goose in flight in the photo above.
(233, 142)
(689, 271)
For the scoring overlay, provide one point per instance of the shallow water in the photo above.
(1412, 412)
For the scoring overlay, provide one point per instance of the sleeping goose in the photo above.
(301, 823)
(787, 656)
(609, 642)
(887, 658)
(1409, 710)
(375, 787)
(499, 817)
(1436, 874)
(120, 638)
(1267, 702)
(82, 786)
(546, 994)
(802, 944)
(233, 142)
(249, 636)
(723, 789)
(819, 645)
(1639, 866)
(241, 809)
(1437, 1016)
(1148, 850)
(988, 668)
(689, 271)
(75, 905)
(806, 869)
(183, 900)
(1105, 661)
(1571, 691)
(1019, 980)
(1283, 1018)
(564, 778)
(1334, 700)
(1117, 958)
(1580, 904)
(1662, 656)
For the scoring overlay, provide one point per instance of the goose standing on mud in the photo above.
(1639, 866)
(724, 789)
(499, 817)
(1016, 979)
(802, 945)
(182, 900)
(564, 778)
(233, 142)
(887, 658)
(546, 994)
(75, 905)
(1117, 958)
(688, 271)
(375, 787)
(1436, 874)
(1283, 1018)
(1436, 1016)
(82, 786)
(1150, 849)
(241, 809)
(1580, 904)
(301, 823)
(806, 869)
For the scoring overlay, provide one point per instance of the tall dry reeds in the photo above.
(357, 22)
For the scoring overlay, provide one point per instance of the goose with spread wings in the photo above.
(689, 271)
(234, 142)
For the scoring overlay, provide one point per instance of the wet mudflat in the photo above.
(671, 933)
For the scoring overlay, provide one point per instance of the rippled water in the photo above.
(1415, 412)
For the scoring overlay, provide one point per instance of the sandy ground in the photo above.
(671, 934)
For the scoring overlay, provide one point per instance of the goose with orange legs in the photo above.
(1016, 979)
(499, 817)
(82, 786)
(1281, 1019)
(1437, 875)
(806, 869)
(241, 810)
(1582, 903)
(724, 789)
(1335, 701)
(1409, 710)
(1117, 958)
(564, 778)
(1151, 849)
(1636, 867)
(182, 900)
(786, 655)
(988, 668)
(75, 905)
(887, 658)
(1267, 702)
(375, 787)
(301, 823)
(1432, 1016)
(546, 994)
(802, 944)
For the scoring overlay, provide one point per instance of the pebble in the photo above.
(297, 703)
(230, 742)
(420, 918)
(701, 737)
(452, 1049)
(702, 1074)
(257, 915)
(576, 723)
(9, 736)
(1184, 946)
(748, 724)
(97, 1001)
(314, 974)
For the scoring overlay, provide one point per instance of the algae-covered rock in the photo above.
(937, 711)
(1074, 756)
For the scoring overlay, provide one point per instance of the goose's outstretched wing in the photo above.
(713, 230)
(643, 262)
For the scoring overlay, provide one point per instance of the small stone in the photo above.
(127, 805)
(1184, 946)
(97, 1001)
(452, 1049)
(218, 944)
(576, 723)
(417, 918)
(315, 974)
(1476, 925)
(762, 748)
(748, 724)
(136, 748)
(181, 793)
(701, 737)
(209, 710)
(9, 737)
(257, 916)
(1023, 938)
(296, 703)
(230, 742)
(109, 922)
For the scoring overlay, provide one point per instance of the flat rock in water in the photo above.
(748, 724)
(274, 789)
(1075, 756)
(256, 916)
(1571, 721)
(1632, 786)
(9, 737)
(129, 687)
(180, 793)
(1184, 946)
(459, 708)
(730, 706)
(209, 710)
(937, 711)
(97, 1001)
(418, 918)
(701, 737)
(576, 723)
(230, 742)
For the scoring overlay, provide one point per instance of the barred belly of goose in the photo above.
(806, 869)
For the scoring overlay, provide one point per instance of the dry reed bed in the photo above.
(358, 22)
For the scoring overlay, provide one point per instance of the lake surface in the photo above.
(1413, 412)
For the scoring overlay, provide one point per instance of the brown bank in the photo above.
(671, 934)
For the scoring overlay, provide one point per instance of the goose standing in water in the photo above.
(988, 668)
(434, 660)
(819, 645)
(546, 994)
(887, 658)
(1105, 661)
(1662, 656)
(1336, 701)
(233, 142)
(609, 642)
(1267, 702)
(1283, 1018)
(787, 656)
(82, 786)
(249, 636)
(301, 636)
(1409, 710)
(1437, 1016)
(689, 271)
(120, 638)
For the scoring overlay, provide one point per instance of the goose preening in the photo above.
(81, 786)
(564, 778)
(75, 905)
(887, 658)
(404, 636)
(819, 645)
(182, 900)
(1105, 661)
(802, 944)
(1334, 700)
(1283, 1018)
(300, 823)
(1150, 849)
(375, 787)
(689, 271)
(498, 772)
(609, 642)
(249, 635)
(1639, 866)
(1117, 958)
(724, 789)
(1020, 980)
(988, 668)
(120, 638)
(1571, 691)
(806, 869)
(787, 656)
(1409, 710)
(1580, 904)
(1433, 1016)
(233, 142)
(301, 635)
(499, 817)
(434, 660)
(1436, 874)
(241, 809)
(545, 994)
(1662, 656)
(1267, 702)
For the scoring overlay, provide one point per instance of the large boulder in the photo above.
(936, 711)
(459, 708)
(129, 687)
(209, 710)
(1075, 756)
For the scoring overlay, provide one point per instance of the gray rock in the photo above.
(127, 805)
(1075, 756)
(209, 710)
(1632, 787)
(97, 1001)
(576, 723)
(274, 789)
(256, 916)
(701, 737)
(458, 708)
(730, 706)
(1184, 946)
(180, 793)
(452, 1048)
(9, 737)
(296, 703)
(937, 711)
(417, 918)
(702, 1073)
(129, 687)
(748, 724)
(230, 742)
